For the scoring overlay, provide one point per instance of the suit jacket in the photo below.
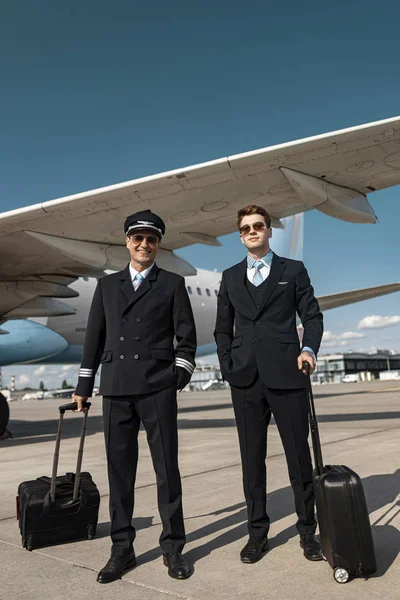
(132, 334)
(263, 338)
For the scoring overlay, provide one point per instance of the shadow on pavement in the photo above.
(380, 490)
(339, 418)
(280, 505)
(205, 407)
(387, 547)
(103, 529)
(33, 432)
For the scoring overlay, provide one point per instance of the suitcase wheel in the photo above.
(341, 575)
(29, 543)
(91, 531)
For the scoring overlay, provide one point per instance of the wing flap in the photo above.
(41, 307)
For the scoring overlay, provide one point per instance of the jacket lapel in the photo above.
(126, 283)
(278, 265)
(241, 287)
(127, 287)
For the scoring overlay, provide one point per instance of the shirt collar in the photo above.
(144, 273)
(267, 260)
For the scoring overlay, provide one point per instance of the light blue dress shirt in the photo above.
(144, 273)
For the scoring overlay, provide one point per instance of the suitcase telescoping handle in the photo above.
(312, 417)
(62, 409)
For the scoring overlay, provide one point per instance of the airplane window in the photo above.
(208, 292)
(189, 289)
(198, 291)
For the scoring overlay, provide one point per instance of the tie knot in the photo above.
(258, 264)
(139, 277)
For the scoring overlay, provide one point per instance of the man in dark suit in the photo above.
(259, 354)
(134, 317)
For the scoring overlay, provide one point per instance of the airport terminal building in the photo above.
(331, 368)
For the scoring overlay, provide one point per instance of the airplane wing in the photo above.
(44, 245)
(343, 298)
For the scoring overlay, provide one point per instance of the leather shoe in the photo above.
(177, 565)
(311, 546)
(254, 550)
(116, 567)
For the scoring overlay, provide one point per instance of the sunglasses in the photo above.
(258, 226)
(138, 238)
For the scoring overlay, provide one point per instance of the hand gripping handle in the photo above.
(73, 406)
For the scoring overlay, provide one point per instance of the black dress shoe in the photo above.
(116, 567)
(311, 546)
(254, 549)
(177, 565)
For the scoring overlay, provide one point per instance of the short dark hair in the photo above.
(253, 209)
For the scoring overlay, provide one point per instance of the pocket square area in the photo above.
(282, 282)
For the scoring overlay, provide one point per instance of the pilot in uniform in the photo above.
(134, 318)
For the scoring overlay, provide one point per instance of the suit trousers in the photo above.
(253, 406)
(122, 418)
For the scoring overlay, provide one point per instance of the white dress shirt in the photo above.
(144, 273)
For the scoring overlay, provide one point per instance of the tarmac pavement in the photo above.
(359, 427)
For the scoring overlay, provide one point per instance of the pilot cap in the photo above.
(144, 219)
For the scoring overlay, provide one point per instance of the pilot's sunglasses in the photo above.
(138, 238)
(258, 226)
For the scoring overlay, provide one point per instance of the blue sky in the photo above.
(93, 93)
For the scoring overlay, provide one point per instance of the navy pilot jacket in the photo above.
(131, 333)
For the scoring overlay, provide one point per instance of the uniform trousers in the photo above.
(253, 406)
(122, 417)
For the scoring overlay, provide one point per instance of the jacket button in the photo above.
(136, 356)
(137, 338)
(138, 320)
(257, 322)
(121, 356)
(124, 320)
(122, 338)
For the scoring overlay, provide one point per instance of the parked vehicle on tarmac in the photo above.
(350, 378)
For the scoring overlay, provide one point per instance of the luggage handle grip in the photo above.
(73, 406)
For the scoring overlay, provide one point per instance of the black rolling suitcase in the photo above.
(55, 509)
(344, 525)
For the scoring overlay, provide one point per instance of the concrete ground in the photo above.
(359, 427)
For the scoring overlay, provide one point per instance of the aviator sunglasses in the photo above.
(258, 226)
(138, 238)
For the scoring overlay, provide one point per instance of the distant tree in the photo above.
(41, 387)
(64, 385)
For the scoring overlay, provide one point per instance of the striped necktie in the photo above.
(137, 281)
(257, 277)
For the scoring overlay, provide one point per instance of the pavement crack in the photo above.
(159, 590)
(86, 568)
(238, 464)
